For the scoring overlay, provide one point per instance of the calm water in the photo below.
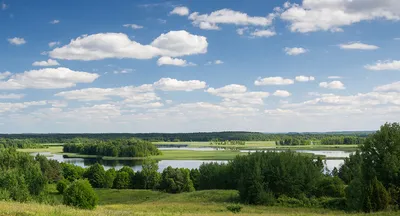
(137, 165)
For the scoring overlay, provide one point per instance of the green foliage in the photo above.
(176, 180)
(227, 142)
(379, 196)
(355, 195)
(113, 148)
(122, 180)
(149, 175)
(96, 176)
(234, 208)
(62, 185)
(195, 177)
(330, 187)
(215, 176)
(80, 194)
(110, 177)
(51, 169)
(72, 172)
(351, 168)
(14, 183)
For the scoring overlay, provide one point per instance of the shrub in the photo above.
(122, 180)
(80, 194)
(235, 208)
(330, 187)
(62, 185)
(96, 176)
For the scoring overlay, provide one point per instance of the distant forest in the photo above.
(280, 138)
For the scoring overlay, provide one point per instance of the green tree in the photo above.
(110, 176)
(80, 194)
(176, 180)
(62, 185)
(122, 180)
(96, 176)
(150, 175)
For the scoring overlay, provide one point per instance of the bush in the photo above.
(62, 185)
(235, 208)
(334, 203)
(330, 187)
(122, 180)
(80, 194)
(290, 202)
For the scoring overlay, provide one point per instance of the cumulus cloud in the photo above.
(263, 33)
(273, 81)
(11, 96)
(332, 85)
(358, 46)
(304, 78)
(54, 43)
(5, 75)
(237, 95)
(13, 107)
(48, 78)
(118, 45)
(282, 93)
(133, 26)
(337, 14)
(181, 11)
(169, 84)
(16, 41)
(166, 60)
(49, 62)
(123, 71)
(54, 21)
(389, 87)
(335, 77)
(228, 16)
(384, 65)
(295, 51)
(240, 31)
(137, 94)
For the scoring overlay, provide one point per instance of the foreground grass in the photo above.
(144, 202)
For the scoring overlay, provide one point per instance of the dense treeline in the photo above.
(18, 143)
(114, 148)
(184, 137)
(327, 140)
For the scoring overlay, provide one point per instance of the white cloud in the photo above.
(14, 107)
(118, 45)
(133, 26)
(282, 93)
(358, 46)
(11, 96)
(228, 16)
(181, 11)
(166, 60)
(304, 78)
(389, 87)
(54, 21)
(295, 51)
(5, 75)
(337, 13)
(263, 33)
(273, 81)
(335, 77)
(132, 94)
(240, 31)
(168, 84)
(214, 62)
(123, 71)
(54, 43)
(384, 65)
(208, 26)
(332, 85)
(237, 95)
(16, 41)
(48, 78)
(49, 62)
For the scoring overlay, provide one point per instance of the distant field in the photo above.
(144, 202)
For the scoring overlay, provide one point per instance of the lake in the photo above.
(190, 164)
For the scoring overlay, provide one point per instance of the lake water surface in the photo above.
(190, 164)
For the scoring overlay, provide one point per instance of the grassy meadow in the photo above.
(145, 202)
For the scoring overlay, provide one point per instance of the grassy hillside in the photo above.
(144, 202)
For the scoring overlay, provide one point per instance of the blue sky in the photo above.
(184, 66)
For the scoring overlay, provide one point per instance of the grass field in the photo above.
(144, 202)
